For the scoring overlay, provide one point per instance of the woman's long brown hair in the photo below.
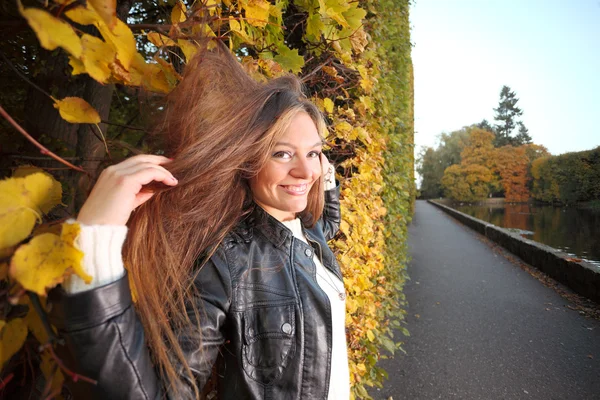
(219, 126)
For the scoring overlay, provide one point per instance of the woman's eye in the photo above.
(284, 155)
(314, 154)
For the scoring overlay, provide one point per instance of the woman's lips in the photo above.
(296, 190)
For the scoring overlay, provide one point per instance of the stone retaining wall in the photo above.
(582, 277)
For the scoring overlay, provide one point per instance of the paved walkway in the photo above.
(482, 328)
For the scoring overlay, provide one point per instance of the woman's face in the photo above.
(281, 188)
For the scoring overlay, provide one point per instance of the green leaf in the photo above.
(354, 16)
(289, 59)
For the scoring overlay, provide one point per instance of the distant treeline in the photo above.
(568, 178)
(500, 160)
(467, 167)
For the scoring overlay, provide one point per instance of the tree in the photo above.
(523, 135)
(472, 179)
(485, 125)
(429, 168)
(512, 165)
(431, 163)
(506, 115)
(467, 182)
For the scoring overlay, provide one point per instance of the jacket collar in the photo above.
(269, 226)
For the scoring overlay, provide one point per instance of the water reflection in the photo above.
(574, 231)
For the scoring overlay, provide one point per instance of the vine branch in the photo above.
(37, 144)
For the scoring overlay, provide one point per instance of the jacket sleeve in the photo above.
(104, 338)
(332, 216)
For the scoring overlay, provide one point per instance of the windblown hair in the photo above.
(220, 127)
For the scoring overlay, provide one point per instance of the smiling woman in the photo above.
(227, 252)
(283, 184)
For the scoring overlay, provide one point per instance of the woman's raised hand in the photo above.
(118, 189)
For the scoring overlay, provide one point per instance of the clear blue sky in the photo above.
(547, 51)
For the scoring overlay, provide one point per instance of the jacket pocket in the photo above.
(269, 341)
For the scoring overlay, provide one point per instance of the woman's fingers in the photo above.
(144, 174)
(143, 158)
(119, 189)
(141, 198)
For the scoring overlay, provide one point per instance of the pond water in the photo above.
(574, 231)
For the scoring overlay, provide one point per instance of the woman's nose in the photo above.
(303, 169)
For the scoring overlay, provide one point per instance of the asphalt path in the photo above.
(483, 328)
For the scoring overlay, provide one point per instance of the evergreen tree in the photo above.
(506, 116)
(485, 125)
(523, 135)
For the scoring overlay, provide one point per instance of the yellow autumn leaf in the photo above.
(96, 57)
(77, 65)
(122, 40)
(119, 73)
(119, 36)
(328, 104)
(178, 13)
(155, 79)
(77, 111)
(370, 335)
(188, 48)
(23, 200)
(83, 16)
(47, 260)
(160, 40)
(169, 71)
(106, 9)
(12, 337)
(51, 31)
(239, 28)
(257, 12)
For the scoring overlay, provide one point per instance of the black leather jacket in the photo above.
(265, 319)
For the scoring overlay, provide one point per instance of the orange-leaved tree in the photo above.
(473, 179)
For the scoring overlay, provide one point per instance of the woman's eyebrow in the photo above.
(319, 143)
